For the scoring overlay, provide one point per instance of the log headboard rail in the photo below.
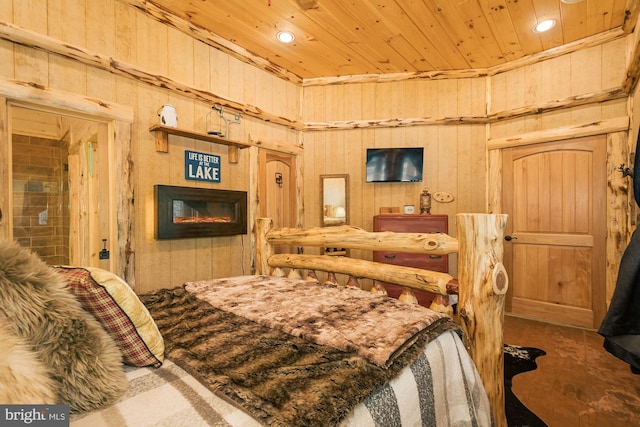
(482, 279)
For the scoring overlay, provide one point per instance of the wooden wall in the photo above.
(585, 71)
(454, 155)
(117, 31)
(457, 157)
(129, 57)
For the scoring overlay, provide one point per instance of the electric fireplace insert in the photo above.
(185, 212)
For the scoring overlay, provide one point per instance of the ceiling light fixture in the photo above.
(545, 25)
(285, 36)
(570, 1)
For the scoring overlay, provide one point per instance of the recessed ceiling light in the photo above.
(285, 36)
(571, 1)
(545, 25)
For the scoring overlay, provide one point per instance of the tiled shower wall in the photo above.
(40, 197)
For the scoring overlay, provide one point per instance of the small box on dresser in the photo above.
(412, 224)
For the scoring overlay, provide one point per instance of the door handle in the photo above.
(509, 238)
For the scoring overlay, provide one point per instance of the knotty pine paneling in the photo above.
(454, 155)
(119, 31)
(581, 72)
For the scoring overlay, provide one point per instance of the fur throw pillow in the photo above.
(23, 377)
(83, 359)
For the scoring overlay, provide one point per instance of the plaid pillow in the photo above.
(116, 306)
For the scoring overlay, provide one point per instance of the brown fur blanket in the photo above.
(80, 358)
(349, 319)
(23, 377)
(280, 379)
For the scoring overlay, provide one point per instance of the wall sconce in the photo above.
(279, 179)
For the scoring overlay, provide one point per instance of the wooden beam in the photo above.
(560, 104)
(347, 236)
(6, 180)
(595, 40)
(415, 278)
(587, 42)
(264, 249)
(122, 183)
(171, 20)
(39, 41)
(631, 12)
(483, 287)
(619, 201)
(600, 127)
(54, 99)
(633, 70)
(297, 149)
(395, 77)
(393, 123)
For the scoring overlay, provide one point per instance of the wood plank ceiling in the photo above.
(358, 37)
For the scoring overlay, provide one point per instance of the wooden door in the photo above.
(277, 189)
(555, 196)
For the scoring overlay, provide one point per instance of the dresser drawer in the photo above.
(427, 262)
(412, 224)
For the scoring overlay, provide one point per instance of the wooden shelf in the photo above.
(162, 140)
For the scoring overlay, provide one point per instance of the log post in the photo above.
(264, 249)
(483, 285)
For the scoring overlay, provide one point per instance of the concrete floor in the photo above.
(577, 383)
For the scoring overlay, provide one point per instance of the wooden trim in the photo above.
(357, 238)
(38, 41)
(619, 199)
(559, 104)
(618, 124)
(298, 149)
(483, 284)
(35, 40)
(561, 314)
(61, 102)
(171, 20)
(416, 278)
(395, 77)
(6, 216)
(253, 202)
(55, 99)
(633, 70)
(632, 11)
(393, 123)
(123, 220)
(587, 42)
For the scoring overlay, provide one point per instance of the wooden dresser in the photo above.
(412, 224)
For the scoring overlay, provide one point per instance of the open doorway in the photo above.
(105, 127)
(60, 187)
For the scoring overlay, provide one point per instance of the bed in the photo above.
(221, 361)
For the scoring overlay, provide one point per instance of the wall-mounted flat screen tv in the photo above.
(394, 164)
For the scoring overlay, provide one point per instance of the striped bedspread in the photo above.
(440, 388)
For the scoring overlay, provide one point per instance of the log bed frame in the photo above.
(481, 284)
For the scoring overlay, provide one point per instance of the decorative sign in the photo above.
(201, 166)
